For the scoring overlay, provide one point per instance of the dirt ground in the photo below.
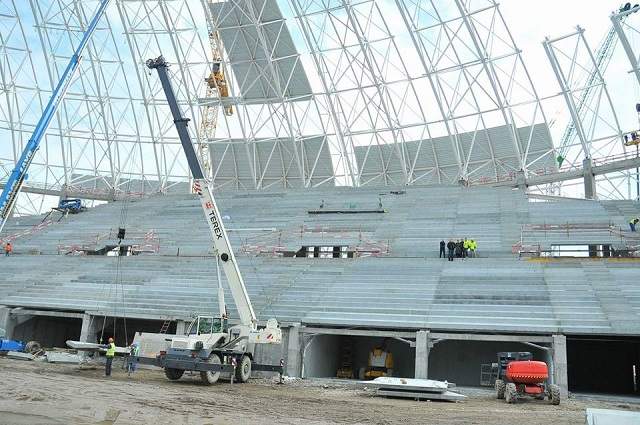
(42, 393)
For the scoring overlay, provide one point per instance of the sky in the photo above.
(530, 23)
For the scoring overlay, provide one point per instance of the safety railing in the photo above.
(543, 171)
(141, 242)
(538, 239)
(271, 243)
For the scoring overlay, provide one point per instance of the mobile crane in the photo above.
(211, 346)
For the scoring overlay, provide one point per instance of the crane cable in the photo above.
(118, 281)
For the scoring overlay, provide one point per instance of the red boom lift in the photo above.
(521, 376)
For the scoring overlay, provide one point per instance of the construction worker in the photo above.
(459, 248)
(134, 352)
(8, 249)
(442, 245)
(633, 222)
(473, 245)
(111, 352)
(466, 245)
(451, 246)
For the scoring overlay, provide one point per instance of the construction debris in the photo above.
(62, 357)
(417, 389)
(16, 355)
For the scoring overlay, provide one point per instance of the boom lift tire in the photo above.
(243, 370)
(499, 388)
(210, 378)
(511, 393)
(173, 374)
(554, 394)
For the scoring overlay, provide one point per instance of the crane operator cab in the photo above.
(207, 325)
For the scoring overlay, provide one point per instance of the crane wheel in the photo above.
(173, 374)
(555, 394)
(510, 393)
(499, 388)
(243, 370)
(210, 378)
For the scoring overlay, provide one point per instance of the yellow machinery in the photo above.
(217, 81)
(380, 363)
(217, 87)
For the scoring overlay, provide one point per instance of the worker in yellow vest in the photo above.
(111, 352)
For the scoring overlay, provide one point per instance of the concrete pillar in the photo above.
(90, 327)
(294, 353)
(181, 327)
(7, 322)
(589, 179)
(560, 373)
(422, 355)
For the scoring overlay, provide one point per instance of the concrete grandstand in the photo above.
(395, 286)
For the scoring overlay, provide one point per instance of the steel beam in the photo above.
(612, 167)
(487, 337)
(46, 313)
(616, 20)
(358, 332)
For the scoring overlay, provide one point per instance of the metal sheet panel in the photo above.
(274, 161)
(478, 148)
(258, 45)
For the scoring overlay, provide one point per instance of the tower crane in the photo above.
(216, 87)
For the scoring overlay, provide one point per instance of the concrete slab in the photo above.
(16, 355)
(58, 357)
(417, 389)
(419, 385)
(152, 343)
(89, 346)
(418, 395)
(611, 417)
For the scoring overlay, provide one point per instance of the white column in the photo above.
(422, 355)
(560, 376)
(294, 355)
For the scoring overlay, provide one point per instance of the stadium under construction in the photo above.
(342, 151)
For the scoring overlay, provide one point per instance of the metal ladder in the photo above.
(165, 326)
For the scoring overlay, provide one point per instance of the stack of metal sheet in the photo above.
(417, 389)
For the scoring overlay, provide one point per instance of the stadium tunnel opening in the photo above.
(607, 365)
(347, 357)
(468, 363)
(123, 331)
(48, 331)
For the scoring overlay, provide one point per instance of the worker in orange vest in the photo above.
(8, 249)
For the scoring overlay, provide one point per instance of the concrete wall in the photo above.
(322, 357)
(48, 331)
(459, 361)
(271, 354)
